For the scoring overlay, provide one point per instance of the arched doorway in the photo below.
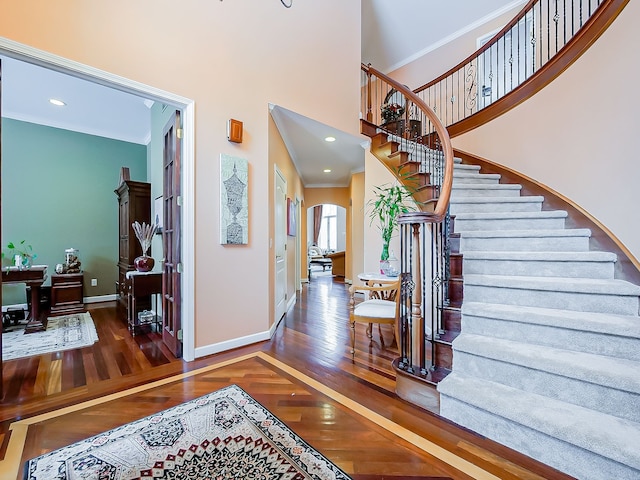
(327, 230)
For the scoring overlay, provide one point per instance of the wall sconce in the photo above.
(234, 131)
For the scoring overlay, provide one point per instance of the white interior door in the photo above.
(280, 245)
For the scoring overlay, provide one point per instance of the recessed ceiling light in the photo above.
(330, 139)
(327, 170)
(57, 102)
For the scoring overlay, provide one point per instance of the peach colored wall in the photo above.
(279, 154)
(318, 195)
(232, 58)
(579, 134)
(357, 226)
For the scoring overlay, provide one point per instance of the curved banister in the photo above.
(442, 205)
(467, 114)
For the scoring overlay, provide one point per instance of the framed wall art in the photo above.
(234, 206)
(158, 214)
(291, 218)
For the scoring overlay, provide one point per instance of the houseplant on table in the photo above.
(389, 202)
(21, 254)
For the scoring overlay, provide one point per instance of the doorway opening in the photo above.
(76, 70)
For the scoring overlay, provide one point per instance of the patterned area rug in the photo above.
(223, 435)
(62, 333)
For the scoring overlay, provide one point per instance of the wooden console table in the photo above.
(34, 277)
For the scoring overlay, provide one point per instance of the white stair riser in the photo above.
(475, 225)
(554, 336)
(561, 455)
(524, 244)
(458, 167)
(578, 301)
(464, 191)
(489, 207)
(571, 390)
(537, 268)
(474, 179)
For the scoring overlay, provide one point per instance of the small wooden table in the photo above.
(140, 287)
(67, 293)
(34, 277)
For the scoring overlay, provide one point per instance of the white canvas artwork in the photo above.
(234, 207)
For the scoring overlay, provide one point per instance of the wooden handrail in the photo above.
(442, 205)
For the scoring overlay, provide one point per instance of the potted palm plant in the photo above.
(389, 202)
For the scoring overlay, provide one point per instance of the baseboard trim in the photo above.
(101, 298)
(234, 343)
(22, 306)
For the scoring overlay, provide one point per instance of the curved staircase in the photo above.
(548, 358)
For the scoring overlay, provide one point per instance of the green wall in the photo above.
(58, 192)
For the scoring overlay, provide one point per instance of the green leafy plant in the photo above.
(23, 249)
(388, 203)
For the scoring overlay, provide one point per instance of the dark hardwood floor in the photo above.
(305, 375)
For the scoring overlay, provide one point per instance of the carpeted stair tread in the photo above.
(567, 232)
(606, 323)
(471, 177)
(590, 256)
(524, 199)
(586, 264)
(618, 373)
(482, 186)
(603, 434)
(511, 215)
(557, 284)
(460, 167)
(508, 203)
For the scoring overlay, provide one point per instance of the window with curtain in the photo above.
(328, 237)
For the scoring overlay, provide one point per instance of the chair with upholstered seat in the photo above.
(381, 306)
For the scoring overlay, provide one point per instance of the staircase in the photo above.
(548, 358)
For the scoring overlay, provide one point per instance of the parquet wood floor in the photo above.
(304, 375)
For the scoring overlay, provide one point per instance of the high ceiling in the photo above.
(99, 110)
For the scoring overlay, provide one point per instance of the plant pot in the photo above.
(23, 262)
(384, 266)
(144, 263)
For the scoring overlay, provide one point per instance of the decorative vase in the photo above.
(384, 266)
(393, 267)
(144, 263)
(23, 262)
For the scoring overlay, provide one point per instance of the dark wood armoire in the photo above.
(134, 204)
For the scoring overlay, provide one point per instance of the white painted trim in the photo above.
(22, 306)
(450, 38)
(188, 232)
(100, 298)
(231, 344)
(70, 67)
(291, 303)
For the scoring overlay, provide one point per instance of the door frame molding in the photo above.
(48, 60)
(276, 318)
